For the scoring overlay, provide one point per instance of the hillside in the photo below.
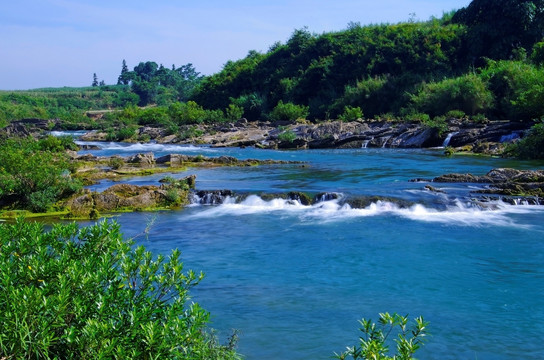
(478, 63)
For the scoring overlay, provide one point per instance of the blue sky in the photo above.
(54, 43)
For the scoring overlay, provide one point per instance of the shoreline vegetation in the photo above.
(408, 85)
(470, 82)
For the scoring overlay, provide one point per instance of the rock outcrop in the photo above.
(503, 181)
(481, 137)
(127, 197)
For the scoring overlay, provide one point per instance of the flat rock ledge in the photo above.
(127, 197)
(503, 181)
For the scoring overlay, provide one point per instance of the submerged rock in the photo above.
(362, 202)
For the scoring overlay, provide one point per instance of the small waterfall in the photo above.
(322, 197)
(448, 138)
(386, 139)
(511, 137)
(215, 197)
(365, 144)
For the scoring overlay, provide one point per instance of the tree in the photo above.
(95, 80)
(124, 78)
(145, 83)
(497, 27)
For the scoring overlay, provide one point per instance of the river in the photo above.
(295, 280)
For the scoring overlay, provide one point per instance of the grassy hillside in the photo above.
(407, 71)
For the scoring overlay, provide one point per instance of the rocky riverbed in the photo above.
(488, 137)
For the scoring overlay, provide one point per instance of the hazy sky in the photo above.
(54, 43)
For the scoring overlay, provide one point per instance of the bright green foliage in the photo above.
(467, 93)
(87, 293)
(537, 56)
(370, 94)
(66, 104)
(187, 113)
(531, 146)
(517, 87)
(351, 113)
(288, 112)
(286, 135)
(374, 342)
(234, 112)
(34, 175)
(57, 143)
(121, 134)
(314, 70)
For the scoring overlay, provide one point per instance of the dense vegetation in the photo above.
(482, 61)
(35, 174)
(71, 293)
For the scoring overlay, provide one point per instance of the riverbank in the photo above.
(487, 137)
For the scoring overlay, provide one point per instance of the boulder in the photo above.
(172, 159)
(142, 160)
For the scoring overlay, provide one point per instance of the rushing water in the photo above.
(294, 279)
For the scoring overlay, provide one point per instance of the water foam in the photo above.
(147, 147)
(459, 213)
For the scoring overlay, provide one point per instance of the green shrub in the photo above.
(123, 133)
(417, 117)
(537, 55)
(517, 87)
(187, 113)
(479, 118)
(438, 123)
(253, 105)
(234, 112)
(288, 112)
(286, 135)
(116, 162)
(87, 293)
(373, 344)
(154, 116)
(351, 113)
(57, 144)
(190, 132)
(455, 114)
(32, 177)
(531, 146)
(467, 93)
(214, 116)
(172, 196)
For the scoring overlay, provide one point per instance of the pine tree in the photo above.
(95, 80)
(123, 79)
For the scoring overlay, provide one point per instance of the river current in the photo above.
(295, 280)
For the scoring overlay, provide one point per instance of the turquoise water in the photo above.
(295, 280)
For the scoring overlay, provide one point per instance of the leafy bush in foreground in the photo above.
(87, 293)
(374, 341)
